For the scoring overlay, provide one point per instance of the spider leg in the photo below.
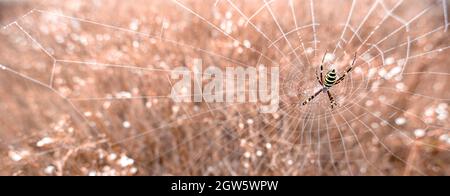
(346, 72)
(312, 97)
(319, 79)
(343, 76)
(333, 103)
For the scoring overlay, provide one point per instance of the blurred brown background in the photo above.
(84, 86)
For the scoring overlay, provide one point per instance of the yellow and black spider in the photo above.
(330, 81)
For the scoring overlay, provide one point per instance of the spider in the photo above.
(330, 81)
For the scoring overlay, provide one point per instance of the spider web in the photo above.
(84, 90)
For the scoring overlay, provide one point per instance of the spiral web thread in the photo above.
(392, 107)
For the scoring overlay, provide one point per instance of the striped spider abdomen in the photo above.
(330, 79)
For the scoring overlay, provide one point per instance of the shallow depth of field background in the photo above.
(84, 86)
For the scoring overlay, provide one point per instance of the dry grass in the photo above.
(385, 125)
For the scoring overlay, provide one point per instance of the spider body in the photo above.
(330, 80)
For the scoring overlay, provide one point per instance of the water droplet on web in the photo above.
(228, 15)
(443, 137)
(259, 153)
(243, 142)
(377, 113)
(106, 105)
(134, 25)
(148, 104)
(400, 86)
(123, 95)
(419, 133)
(166, 24)
(125, 161)
(372, 72)
(400, 121)
(394, 72)
(290, 162)
(367, 56)
(241, 22)
(227, 26)
(443, 105)
(126, 124)
(429, 112)
(44, 141)
(442, 116)
(401, 62)
(15, 156)
(250, 121)
(175, 109)
(59, 39)
(276, 115)
(18, 155)
(240, 50)
(136, 44)
(88, 114)
(92, 173)
(112, 156)
(247, 155)
(441, 111)
(133, 170)
(236, 43)
(49, 170)
(329, 57)
(389, 61)
(268, 145)
(363, 170)
(382, 72)
(247, 44)
(374, 125)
